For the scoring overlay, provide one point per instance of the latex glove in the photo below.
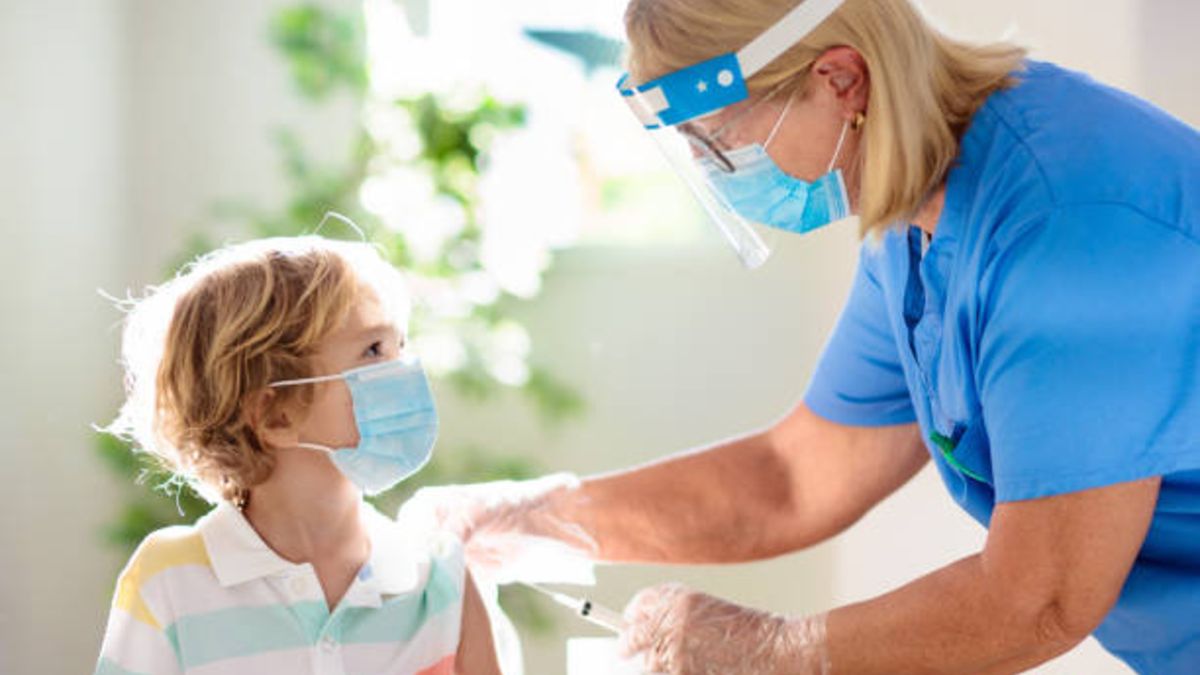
(508, 528)
(678, 631)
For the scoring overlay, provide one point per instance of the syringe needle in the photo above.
(588, 610)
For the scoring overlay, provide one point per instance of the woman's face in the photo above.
(806, 139)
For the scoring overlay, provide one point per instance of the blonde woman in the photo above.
(1026, 315)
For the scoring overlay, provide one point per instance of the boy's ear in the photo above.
(272, 423)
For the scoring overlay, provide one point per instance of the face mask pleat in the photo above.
(383, 398)
(397, 424)
(759, 191)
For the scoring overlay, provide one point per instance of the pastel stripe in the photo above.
(108, 667)
(402, 617)
(435, 641)
(194, 590)
(288, 662)
(207, 637)
(240, 631)
(214, 600)
(160, 551)
(132, 645)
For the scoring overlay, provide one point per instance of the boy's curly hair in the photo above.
(236, 319)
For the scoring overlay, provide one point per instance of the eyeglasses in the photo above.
(709, 145)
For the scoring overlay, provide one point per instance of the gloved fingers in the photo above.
(652, 618)
(526, 541)
(678, 631)
(452, 509)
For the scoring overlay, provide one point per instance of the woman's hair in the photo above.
(228, 324)
(924, 86)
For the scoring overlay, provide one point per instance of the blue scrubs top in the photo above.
(1048, 339)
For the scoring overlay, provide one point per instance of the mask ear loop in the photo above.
(306, 380)
(309, 380)
(779, 122)
(838, 150)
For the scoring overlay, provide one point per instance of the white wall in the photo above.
(1168, 67)
(206, 93)
(63, 196)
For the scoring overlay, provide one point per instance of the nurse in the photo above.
(1026, 316)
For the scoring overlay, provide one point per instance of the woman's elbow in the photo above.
(1054, 622)
(1059, 625)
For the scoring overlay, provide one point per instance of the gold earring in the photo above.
(858, 121)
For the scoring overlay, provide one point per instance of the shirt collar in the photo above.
(396, 565)
(399, 563)
(237, 553)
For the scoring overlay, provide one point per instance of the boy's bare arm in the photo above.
(476, 651)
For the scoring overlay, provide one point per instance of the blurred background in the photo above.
(577, 310)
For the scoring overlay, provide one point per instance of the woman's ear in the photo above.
(273, 424)
(841, 77)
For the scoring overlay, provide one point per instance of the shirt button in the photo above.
(328, 644)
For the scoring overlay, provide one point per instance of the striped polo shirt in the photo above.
(214, 599)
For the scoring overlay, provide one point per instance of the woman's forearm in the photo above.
(709, 506)
(758, 496)
(1051, 570)
(951, 621)
(959, 619)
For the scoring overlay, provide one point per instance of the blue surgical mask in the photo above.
(396, 418)
(759, 191)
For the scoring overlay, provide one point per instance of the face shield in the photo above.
(729, 183)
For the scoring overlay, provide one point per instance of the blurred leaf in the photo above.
(449, 138)
(137, 520)
(324, 49)
(153, 499)
(556, 400)
(473, 383)
(117, 455)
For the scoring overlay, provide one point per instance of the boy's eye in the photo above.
(376, 349)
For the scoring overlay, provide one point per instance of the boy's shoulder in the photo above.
(410, 558)
(163, 549)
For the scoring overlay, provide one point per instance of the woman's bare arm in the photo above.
(791, 486)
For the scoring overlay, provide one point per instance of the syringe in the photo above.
(588, 610)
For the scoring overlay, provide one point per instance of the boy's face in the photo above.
(367, 336)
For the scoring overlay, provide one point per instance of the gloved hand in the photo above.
(509, 529)
(683, 632)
